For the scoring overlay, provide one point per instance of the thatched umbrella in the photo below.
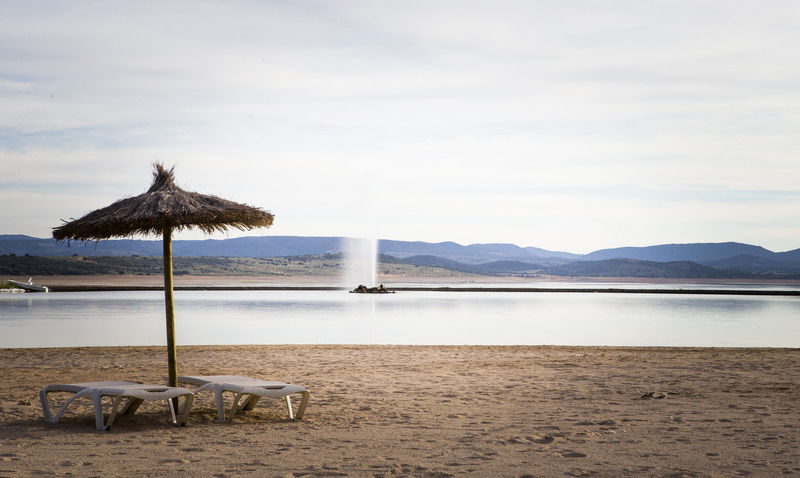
(163, 208)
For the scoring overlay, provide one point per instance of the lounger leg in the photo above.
(289, 406)
(235, 405)
(133, 405)
(97, 402)
(303, 402)
(48, 416)
(172, 411)
(114, 411)
(183, 416)
(45, 406)
(251, 402)
(220, 403)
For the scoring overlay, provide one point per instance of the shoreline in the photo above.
(105, 283)
(615, 290)
(466, 280)
(433, 411)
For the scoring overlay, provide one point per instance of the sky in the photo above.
(565, 125)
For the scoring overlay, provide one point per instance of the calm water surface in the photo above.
(336, 317)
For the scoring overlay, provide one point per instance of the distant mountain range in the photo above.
(702, 260)
(475, 253)
(649, 269)
(703, 253)
(278, 246)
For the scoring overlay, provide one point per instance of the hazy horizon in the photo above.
(565, 126)
(358, 239)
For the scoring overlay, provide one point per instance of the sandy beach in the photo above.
(423, 411)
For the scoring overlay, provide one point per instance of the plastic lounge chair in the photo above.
(134, 393)
(252, 387)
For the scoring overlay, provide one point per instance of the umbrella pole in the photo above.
(172, 359)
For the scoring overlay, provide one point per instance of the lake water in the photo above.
(336, 317)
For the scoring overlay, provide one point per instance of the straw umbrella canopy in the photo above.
(162, 209)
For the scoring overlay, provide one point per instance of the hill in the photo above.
(701, 253)
(267, 246)
(153, 265)
(757, 265)
(726, 259)
(643, 269)
(324, 265)
(475, 253)
(745, 258)
(487, 268)
(277, 246)
(609, 268)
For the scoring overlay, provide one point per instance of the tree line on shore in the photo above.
(333, 264)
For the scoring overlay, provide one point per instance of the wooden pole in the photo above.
(172, 359)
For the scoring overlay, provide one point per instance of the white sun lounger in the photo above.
(134, 393)
(241, 386)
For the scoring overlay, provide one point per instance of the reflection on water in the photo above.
(336, 317)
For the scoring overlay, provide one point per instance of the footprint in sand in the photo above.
(573, 454)
(656, 395)
(580, 473)
(545, 440)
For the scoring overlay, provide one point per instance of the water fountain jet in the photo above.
(361, 260)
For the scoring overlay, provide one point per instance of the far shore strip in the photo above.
(600, 290)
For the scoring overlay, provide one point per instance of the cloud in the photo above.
(457, 110)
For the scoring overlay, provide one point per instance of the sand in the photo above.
(423, 411)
